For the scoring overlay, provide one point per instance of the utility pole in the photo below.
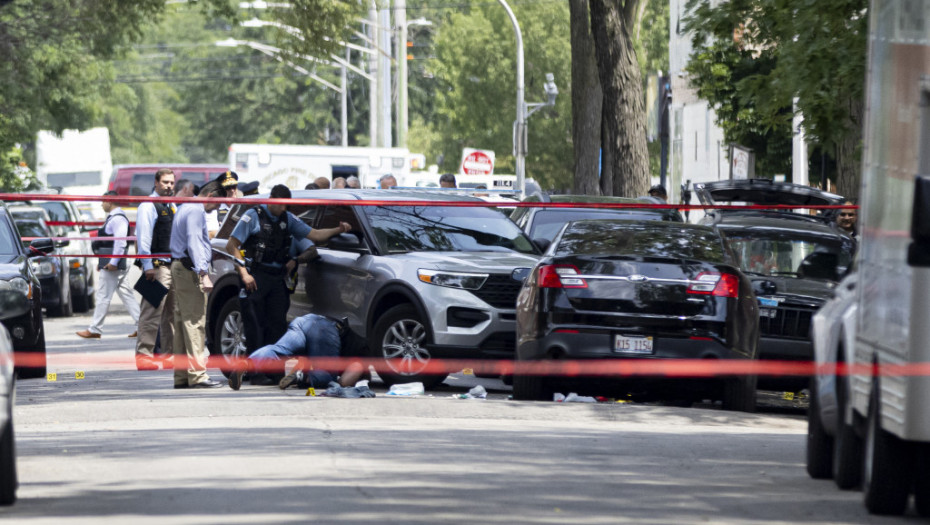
(384, 83)
(374, 61)
(400, 18)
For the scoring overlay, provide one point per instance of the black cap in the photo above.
(658, 188)
(248, 188)
(228, 179)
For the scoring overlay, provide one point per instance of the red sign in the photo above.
(477, 163)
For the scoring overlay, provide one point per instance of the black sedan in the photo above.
(53, 273)
(27, 330)
(617, 289)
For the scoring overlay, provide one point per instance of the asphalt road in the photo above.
(123, 446)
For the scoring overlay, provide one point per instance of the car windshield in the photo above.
(57, 211)
(547, 223)
(642, 240)
(31, 229)
(777, 253)
(7, 240)
(401, 229)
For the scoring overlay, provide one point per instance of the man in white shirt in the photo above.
(113, 270)
(153, 235)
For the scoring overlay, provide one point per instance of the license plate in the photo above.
(633, 345)
(768, 312)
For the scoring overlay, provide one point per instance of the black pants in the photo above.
(264, 311)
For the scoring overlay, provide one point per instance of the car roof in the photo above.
(169, 165)
(380, 195)
(16, 208)
(763, 220)
(544, 197)
(763, 191)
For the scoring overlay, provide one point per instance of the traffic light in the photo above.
(409, 47)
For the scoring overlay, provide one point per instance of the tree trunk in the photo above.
(621, 82)
(586, 101)
(607, 160)
(848, 154)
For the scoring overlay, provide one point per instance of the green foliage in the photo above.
(475, 98)
(814, 51)
(15, 177)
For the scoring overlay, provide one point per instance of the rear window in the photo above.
(548, 222)
(642, 239)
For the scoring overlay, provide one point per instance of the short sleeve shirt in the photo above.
(250, 225)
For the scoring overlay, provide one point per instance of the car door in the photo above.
(339, 283)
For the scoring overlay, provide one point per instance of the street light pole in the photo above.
(400, 18)
(519, 126)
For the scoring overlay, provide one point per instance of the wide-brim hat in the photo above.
(225, 180)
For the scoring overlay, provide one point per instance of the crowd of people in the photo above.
(174, 244)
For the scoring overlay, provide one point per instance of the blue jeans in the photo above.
(308, 336)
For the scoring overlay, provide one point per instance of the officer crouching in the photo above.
(265, 233)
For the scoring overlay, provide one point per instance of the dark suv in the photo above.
(794, 260)
(543, 223)
(417, 281)
(27, 330)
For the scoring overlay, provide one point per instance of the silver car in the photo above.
(418, 282)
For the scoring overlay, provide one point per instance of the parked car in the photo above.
(621, 289)
(16, 274)
(83, 270)
(53, 274)
(12, 304)
(834, 449)
(442, 274)
(544, 223)
(794, 260)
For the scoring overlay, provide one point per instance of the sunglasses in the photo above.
(847, 215)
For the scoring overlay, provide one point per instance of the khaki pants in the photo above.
(190, 313)
(151, 319)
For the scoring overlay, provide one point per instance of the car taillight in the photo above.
(560, 276)
(716, 284)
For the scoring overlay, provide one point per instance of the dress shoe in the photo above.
(87, 334)
(146, 363)
(134, 334)
(209, 383)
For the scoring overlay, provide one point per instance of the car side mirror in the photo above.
(62, 244)
(542, 243)
(348, 242)
(42, 246)
(918, 252)
(13, 303)
(764, 287)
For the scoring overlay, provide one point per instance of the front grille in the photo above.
(499, 291)
(789, 322)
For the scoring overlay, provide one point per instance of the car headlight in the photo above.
(465, 281)
(43, 268)
(19, 284)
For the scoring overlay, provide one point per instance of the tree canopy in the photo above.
(773, 51)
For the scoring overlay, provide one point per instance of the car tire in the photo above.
(8, 479)
(922, 481)
(84, 301)
(64, 307)
(229, 336)
(739, 393)
(530, 388)
(37, 348)
(886, 476)
(847, 445)
(403, 322)
(819, 443)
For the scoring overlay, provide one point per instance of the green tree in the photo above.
(812, 51)
(475, 99)
(15, 176)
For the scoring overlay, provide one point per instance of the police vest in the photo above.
(161, 232)
(103, 247)
(271, 244)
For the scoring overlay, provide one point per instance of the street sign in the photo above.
(477, 162)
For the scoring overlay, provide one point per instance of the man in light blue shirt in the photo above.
(190, 262)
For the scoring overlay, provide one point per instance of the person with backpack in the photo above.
(113, 270)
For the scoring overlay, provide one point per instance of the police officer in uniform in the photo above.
(265, 233)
